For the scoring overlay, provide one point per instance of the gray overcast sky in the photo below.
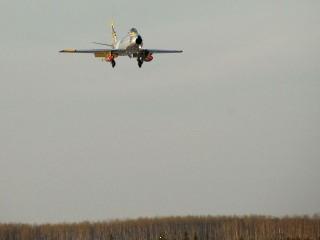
(231, 126)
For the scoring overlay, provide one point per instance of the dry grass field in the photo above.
(172, 228)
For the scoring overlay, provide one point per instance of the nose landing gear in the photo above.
(140, 61)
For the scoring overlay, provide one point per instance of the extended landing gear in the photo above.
(113, 63)
(140, 62)
(110, 59)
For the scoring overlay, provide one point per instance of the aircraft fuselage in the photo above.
(131, 43)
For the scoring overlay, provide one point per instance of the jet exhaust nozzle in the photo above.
(139, 40)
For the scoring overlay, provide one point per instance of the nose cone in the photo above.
(139, 40)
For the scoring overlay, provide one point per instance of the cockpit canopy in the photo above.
(133, 30)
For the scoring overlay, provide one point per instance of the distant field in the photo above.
(172, 228)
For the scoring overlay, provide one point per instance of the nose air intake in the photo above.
(139, 40)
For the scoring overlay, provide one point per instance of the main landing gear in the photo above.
(113, 63)
(110, 59)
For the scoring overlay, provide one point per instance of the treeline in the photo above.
(172, 228)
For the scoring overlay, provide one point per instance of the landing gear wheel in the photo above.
(140, 62)
(113, 63)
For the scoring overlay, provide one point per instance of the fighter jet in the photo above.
(130, 45)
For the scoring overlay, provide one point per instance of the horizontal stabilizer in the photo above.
(103, 44)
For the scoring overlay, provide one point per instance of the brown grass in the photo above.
(173, 228)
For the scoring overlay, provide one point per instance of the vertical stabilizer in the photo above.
(114, 34)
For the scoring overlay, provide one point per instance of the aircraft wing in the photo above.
(96, 52)
(85, 50)
(162, 51)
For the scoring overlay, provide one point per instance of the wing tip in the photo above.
(68, 51)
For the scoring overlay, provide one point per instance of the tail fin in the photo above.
(114, 34)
